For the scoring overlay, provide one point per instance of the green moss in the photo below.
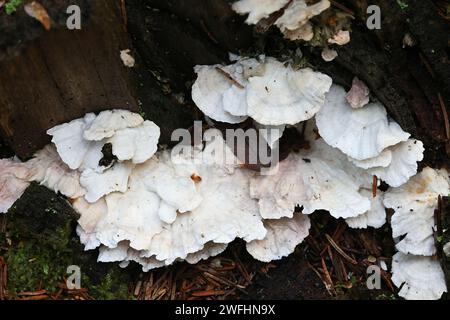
(33, 267)
(11, 6)
(402, 4)
(385, 296)
(41, 226)
(113, 286)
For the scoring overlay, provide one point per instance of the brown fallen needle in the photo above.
(374, 186)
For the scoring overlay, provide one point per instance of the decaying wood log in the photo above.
(407, 80)
(18, 28)
(168, 38)
(63, 75)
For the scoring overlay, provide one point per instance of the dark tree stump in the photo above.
(63, 75)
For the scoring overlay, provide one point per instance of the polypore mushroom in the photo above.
(47, 169)
(342, 37)
(176, 207)
(414, 204)
(226, 212)
(383, 160)
(268, 91)
(329, 54)
(131, 216)
(82, 144)
(127, 58)
(210, 87)
(403, 165)
(283, 235)
(11, 187)
(98, 184)
(375, 217)
(420, 278)
(294, 17)
(284, 95)
(69, 141)
(360, 133)
(294, 23)
(270, 133)
(257, 9)
(318, 178)
(136, 144)
(447, 249)
(108, 122)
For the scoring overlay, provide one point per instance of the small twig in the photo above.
(208, 33)
(123, 11)
(229, 77)
(445, 114)
(374, 186)
(340, 251)
(329, 283)
(342, 7)
(208, 293)
(32, 293)
(427, 65)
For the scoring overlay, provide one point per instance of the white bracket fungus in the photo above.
(375, 217)
(47, 168)
(329, 54)
(315, 179)
(11, 187)
(258, 9)
(360, 133)
(420, 278)
(403, 164)
(283, 235)
(293, 21)
(270, 92)
(284, 95)
(80, 145)
(342, 37)
(414, 204)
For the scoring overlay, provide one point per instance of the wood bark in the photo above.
(61, 76)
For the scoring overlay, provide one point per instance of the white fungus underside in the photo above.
(283, 235)
(422, 277)
(360, 133)
(414, 204)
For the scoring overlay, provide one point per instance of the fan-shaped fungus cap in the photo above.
(340, 38)
(47, 169)
(108, 122)
(282, 237)
(11, 187)
(420, 278)
(284, 95)
(317, 179)
(258, 9)
(69, 141)
(414, 204)
(296, 17)
(209, 88)
(375, 217)
(403, 165)
(329, 54)
(360, 133)
(137, 144)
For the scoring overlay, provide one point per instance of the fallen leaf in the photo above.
(36, 10)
